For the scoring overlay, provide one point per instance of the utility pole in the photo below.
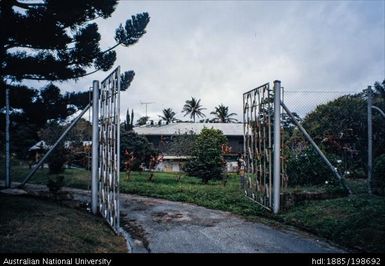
(146, 103)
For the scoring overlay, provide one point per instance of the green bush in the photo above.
(207, 161)
(379, 175)
(132, 142)
(56, 161)
(55, 183)
(307, 168)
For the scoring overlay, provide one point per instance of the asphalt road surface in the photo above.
(161, 226)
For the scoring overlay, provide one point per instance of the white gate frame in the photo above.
(106, 149)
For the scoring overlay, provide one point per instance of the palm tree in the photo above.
(193, 108)
(222, 114)
(168, 115)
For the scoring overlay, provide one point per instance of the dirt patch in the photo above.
(182, 217)
(167, 217)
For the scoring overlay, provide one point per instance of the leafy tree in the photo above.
(340, 126)
(168, 115)
(207, 162)
(142, 121)
(50, 133)
(181, 145)
(379, 175)
(140, 146)
(340, 129)
(307, 168)
(193, 108)
(222, 114)
(379, 89)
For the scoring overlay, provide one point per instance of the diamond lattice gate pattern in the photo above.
(258, 117)
(109, 150)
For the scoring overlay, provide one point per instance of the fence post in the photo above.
(370, 140)
(7, 150)
(277, 145)
(95, 146)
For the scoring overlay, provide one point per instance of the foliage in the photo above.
(222, 114)
(132, 142)
(57, 159)
(55, 183)
(193, 108)
(65, 38)
(182, 145)
(168, 115)
(129, 123)
(52, 40)
(340, 127)
(307, 168)
(379, 175)
(142, 121)
(356, 221)
(207, 162)
(36, 109)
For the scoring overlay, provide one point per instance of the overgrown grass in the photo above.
(214, 195)
(73, 177)
(356, 222)
(33, 225)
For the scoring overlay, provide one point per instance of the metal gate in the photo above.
(106, 148)
(260, 141)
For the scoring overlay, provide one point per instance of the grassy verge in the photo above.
(33, 225)
(355, 222)
(73, 177)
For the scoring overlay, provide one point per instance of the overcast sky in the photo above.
(216, 50)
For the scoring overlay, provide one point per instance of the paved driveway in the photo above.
(162, 226)
(166, 226)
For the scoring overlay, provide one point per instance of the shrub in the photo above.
(55, 183)
(207, 161)
(56, 161)
(307, 168)
(379, 175)
(139, 145)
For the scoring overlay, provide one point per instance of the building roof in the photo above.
(228, 129)
(41, 145)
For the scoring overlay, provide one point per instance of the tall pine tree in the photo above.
(57, 40)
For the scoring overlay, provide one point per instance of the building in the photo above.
(164, 133)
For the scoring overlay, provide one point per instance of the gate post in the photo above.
(370, 140)
(277, 145)
(95, 146)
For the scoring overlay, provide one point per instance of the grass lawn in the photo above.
(356, 222)
(40, 226)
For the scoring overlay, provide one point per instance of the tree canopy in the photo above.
(207, 160)
(222, 114)
(54, 40)
(193, 108)
(339, 127)
(168, 115)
